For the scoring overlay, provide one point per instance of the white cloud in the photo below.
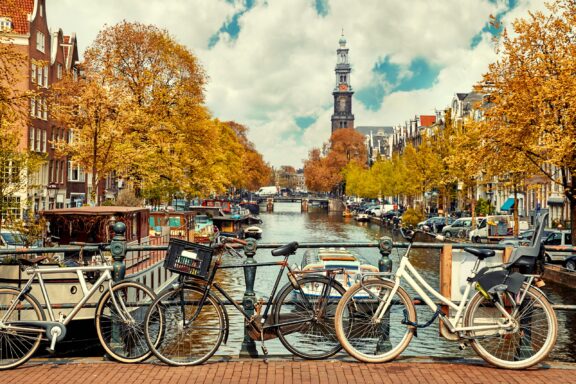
(281, 66)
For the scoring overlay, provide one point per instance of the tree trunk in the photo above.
(515, 211)
(572, 216)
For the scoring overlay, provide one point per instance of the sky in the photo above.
(270, 63)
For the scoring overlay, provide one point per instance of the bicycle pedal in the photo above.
(50, 350)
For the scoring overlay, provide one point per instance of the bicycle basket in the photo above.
(189, 259)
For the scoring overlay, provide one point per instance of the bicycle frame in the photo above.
(407, 272)
(283, 265)
(88, 293)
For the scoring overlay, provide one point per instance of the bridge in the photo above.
(306, 203)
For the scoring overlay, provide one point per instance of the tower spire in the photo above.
(342, 116)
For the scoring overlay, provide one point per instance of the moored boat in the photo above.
(253, 232)
(327, 259)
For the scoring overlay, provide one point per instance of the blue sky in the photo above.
(271, 63)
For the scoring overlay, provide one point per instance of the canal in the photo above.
(287, 224)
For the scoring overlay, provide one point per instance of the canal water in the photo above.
(287, 224)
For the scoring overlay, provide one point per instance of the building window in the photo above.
(38, 135)
(33, 73)
(41, 10)
(40, 41)
(10, 207)
(44, 140)
(32, 138)
(45, 76)
(59, 71)
(75, 172)
(5, 24)
(44, 109)
(32, 106)
(75, 74)
(39, 77)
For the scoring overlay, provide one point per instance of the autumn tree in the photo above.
(326, 173)
(533, 96)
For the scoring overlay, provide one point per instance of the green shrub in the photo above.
(412, 217)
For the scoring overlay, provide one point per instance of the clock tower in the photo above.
(342, 116)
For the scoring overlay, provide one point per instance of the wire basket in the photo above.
(189, 259)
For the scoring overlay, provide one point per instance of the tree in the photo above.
(326, 173)
(532, 116)
(423, 168)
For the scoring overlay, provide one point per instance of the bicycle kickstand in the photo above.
(264, 349)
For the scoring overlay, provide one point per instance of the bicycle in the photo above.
(509, 322)
(191, 321)
(119, 312)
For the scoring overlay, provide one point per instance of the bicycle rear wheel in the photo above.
(186, 333)
(17, 346)
(527, 343)
(120, 321)
(366, 338)
(312, 334)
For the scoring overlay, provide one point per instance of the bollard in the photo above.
(248, 345)
(385, 265)
(118, 250)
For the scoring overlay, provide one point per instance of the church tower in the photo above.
(342, 116)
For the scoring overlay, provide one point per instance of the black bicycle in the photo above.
(191, 321)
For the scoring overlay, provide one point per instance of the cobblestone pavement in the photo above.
(90, 370)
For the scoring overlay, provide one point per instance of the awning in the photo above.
(555, 201)
(508, 204)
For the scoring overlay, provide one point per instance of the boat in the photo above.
(253, 232)
(362, 217)
(178, 224)
(330, 259)
(203, 229)
(347, 213)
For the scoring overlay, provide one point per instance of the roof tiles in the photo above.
(18, 10)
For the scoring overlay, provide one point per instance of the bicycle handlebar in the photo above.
(409, 235)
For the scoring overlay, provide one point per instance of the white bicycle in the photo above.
(119, 313)
(509, 322)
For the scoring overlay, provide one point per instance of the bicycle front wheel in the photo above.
(365, 333)
(17, 346)
(120, 321)
(524, 344)
(309, 314)
(180, 331)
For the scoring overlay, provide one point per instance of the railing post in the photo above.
(385, 246)
(248, 345)
(118, 250)
(385, 265)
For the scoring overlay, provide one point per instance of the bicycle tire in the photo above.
(522, 347)
(16, 347)
(176, 342)
(316, 338)
(121, 330)
(364, 340)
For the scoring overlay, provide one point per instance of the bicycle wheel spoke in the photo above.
(120, 321)
(314, 336)
(525, 342)
(188, 336)
(17, 346)
(366, 336)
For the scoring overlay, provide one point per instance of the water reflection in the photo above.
(288, 224)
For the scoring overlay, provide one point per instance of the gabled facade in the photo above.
(48, 57)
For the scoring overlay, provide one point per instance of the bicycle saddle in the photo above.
(30, 262)
(285, 250)
(480, 253)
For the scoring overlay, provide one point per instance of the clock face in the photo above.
(343, 87)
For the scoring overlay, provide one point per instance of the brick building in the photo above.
(48, 57)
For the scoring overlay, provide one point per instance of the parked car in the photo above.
(524, 238)
(459, 227)
(558, 238)
(11, 239)
(570, 263)
(435, 224)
